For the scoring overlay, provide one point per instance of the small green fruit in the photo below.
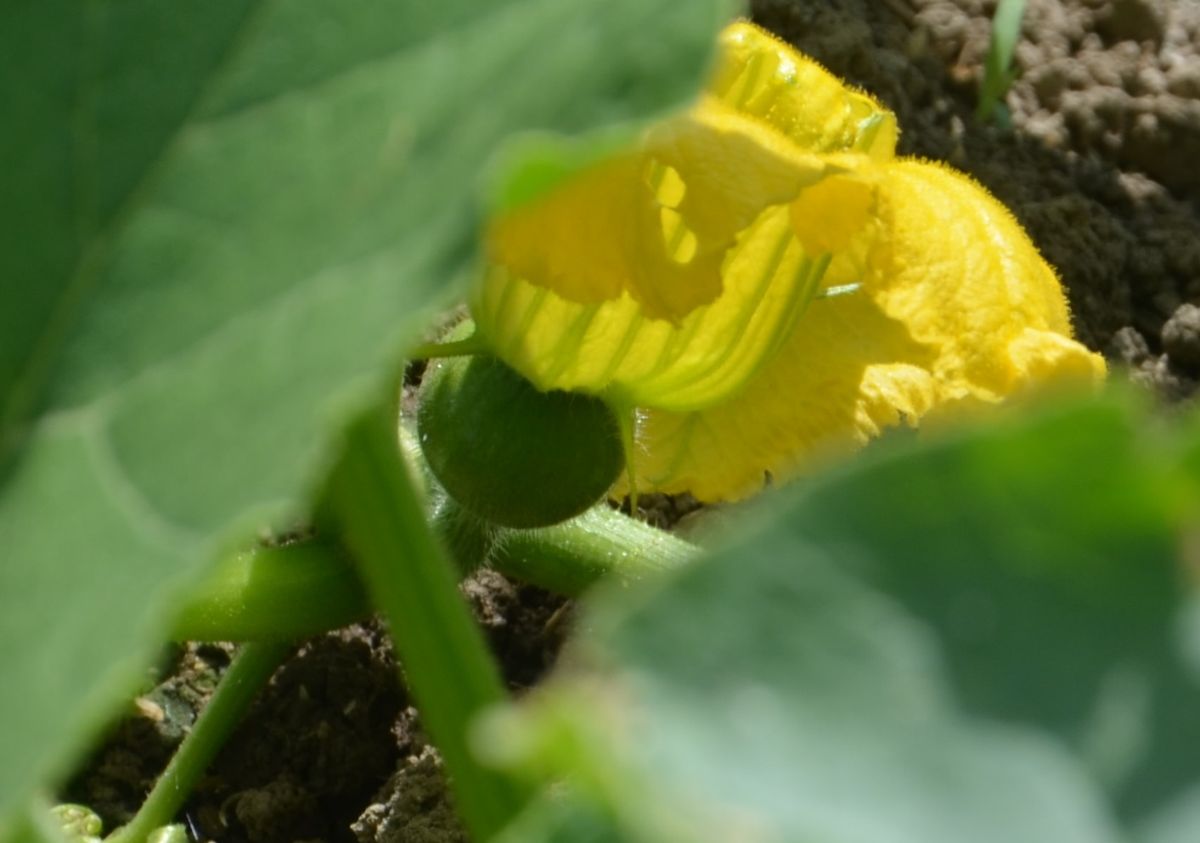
(513, 455)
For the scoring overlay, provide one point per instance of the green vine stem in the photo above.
(306, 588)
(273, 595)
(289, 592)
(468, 539)
(247, 673)
(446, 663)
(472, 344)
(570, 557)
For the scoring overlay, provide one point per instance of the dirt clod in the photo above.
(414, 807)
(1181, 337)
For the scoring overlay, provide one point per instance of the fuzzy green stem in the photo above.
(247, 673)
(473, 344)
(467, 538)
(303, 589)
(276, 593)
(447, 666)
(569, 558)
(627, 423)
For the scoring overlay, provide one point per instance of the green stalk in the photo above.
(569, 558)
(466, 346)
(467, 538)
(447, 666)
(627, 422)
(275, 593)
(247, 673)
(303, 589)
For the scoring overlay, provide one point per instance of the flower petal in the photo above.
(957, 310)
(656, 222)
(764, 77)
(667, 275)
(830, 216)
(613, 348)
(696, 230)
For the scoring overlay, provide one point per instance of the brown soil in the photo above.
(1102, 165)
(332, 750)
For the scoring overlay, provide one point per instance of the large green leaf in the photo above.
(1177, 822)
(1045, 559)
(221, 222)
(977, 639)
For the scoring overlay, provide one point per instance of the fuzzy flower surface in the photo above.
(684, 279)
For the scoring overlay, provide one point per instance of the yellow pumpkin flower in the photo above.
(678, 280)
(668, 275)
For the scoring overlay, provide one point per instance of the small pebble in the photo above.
(149, 709)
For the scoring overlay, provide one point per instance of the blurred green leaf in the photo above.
(976, 639)
(559, 817)
(1178, 822)
(1044, 556)
(37, 826)
(222, 223)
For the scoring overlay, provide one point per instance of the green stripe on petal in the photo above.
(611, 348)
(666, 274)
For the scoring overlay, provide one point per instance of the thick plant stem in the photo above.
(305, 588)
(278, 593)
(567, 558)
(447, 666)
(246, 675)
(467, 538)
(570, 557)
